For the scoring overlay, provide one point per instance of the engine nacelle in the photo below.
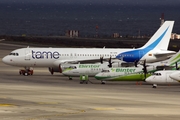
(53, 69)
(58, 69)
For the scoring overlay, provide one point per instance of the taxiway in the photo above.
(43, 96)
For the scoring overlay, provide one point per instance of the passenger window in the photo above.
(105, 70)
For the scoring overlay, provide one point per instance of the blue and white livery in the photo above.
(155, 49)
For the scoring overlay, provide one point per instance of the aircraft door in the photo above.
(27, 54)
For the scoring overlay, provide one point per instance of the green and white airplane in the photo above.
(139, 73)
(90, 70)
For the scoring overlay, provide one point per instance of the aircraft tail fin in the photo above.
(161, 38)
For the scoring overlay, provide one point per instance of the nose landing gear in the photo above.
(26, 72)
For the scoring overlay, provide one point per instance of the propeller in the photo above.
(144, 68)
(110, 63)
(135, 63)
(177, 68)
(101, 60)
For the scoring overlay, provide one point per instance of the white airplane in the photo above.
(138, 73)
(154, 50)
(164, 77)
(90, 70)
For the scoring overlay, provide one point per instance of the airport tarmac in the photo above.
(43, 96)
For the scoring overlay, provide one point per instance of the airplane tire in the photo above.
(154, 86)
(103, 82)
(25, 74)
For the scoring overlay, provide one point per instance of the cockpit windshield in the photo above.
(157, 74)
(105, 71)
(14, 54)
(73, 67)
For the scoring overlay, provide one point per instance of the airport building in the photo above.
(175, 36)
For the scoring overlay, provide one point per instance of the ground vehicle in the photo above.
(84, 79)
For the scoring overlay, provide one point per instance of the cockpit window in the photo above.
(73, 67)
(14, 54)
(105, 70)
(157, 74)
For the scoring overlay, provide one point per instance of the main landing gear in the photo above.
(103, 82)
(26, 71)
(70, 78)
(154, 86)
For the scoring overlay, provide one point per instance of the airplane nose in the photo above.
(98, 76)
(64, 72)
(6, 60)
(67, 71)
(151, 79)
(148, 79)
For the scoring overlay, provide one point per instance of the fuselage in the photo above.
(76, 70)
(124, 74)
(162, 77)
(48, 57)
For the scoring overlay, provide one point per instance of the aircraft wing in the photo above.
(113, 62)
(168, 54)
(56, 63)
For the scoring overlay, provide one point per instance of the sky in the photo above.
(122, 2)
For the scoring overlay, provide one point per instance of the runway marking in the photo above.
(57, 115)
(6, 105)
(47, 103)
(105, 108)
